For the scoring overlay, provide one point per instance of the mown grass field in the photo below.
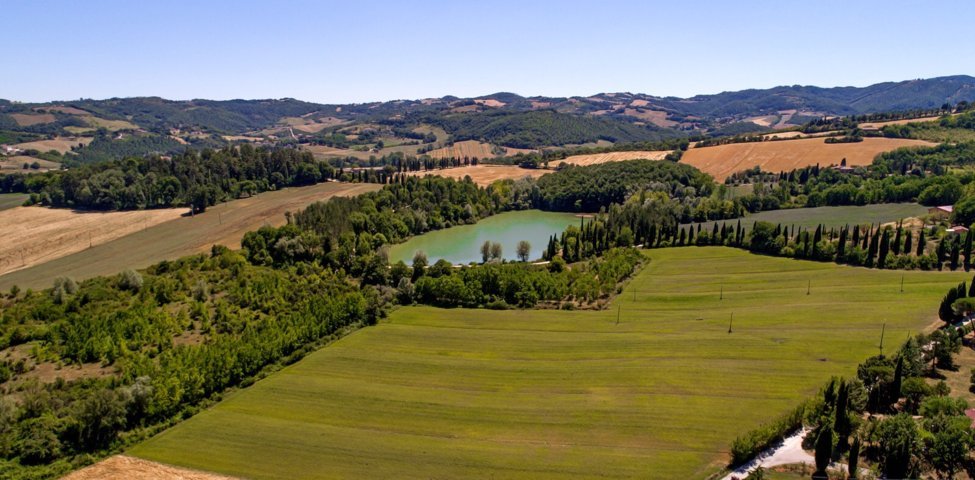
(11, 200)
(223, 224)
(435, 393)
(832, 216)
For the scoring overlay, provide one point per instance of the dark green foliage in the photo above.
(520, 285)
(824, 448)
(853, 463)
(745, 447)
(105, 148)
(202, 178)
(587, 189)
(898, 438)
(543, 128)
(255, 316)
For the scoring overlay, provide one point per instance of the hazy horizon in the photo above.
(55, 100)
(330, 52)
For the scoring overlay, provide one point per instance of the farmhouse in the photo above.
(9, 150)
(943, 211)
(956, 230)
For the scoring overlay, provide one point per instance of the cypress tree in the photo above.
(895, 386)
(872, 250)
(824, 449)
(884, 248)
(971, 289)
(690, 236)
(714, 234)
(941, 253)
(856, 235)
(955, 250)
(968, 251)
(841, 424)
(683, 235)
(896, 246)
(841, 245)
(907, 242)
(854, 462)
(920, 243)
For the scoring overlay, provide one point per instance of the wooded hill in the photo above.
(152, 124)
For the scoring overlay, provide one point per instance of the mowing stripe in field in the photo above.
(435, 393)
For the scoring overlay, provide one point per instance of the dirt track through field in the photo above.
(122, 467)
(723, 160)
(224, 224)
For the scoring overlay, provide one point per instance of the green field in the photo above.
(834, 216)
(11, 200)
(435, 393)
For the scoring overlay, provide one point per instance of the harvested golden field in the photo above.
(28, 119)
(34, 235)
(597, 158)
(723, 160)
(473, 148)
(61, 145)
(879, 125)
(223, 224)
(656, 117)
(123, 467)
(16, 164)
(486, 174)
(310, 125)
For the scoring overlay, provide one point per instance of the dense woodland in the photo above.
(197, 178)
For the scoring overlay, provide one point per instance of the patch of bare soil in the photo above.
(123, 467)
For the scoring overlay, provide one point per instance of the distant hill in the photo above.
(503, 118)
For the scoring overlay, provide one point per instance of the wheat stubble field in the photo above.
(441, 393)
(777, 156)
(135, 246)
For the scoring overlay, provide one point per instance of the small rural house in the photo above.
(943, 211)
(957, 230)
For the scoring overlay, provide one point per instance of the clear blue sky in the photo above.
(356, 51)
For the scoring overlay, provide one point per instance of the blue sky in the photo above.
(356, 51)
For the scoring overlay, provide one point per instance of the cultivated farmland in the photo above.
(61, 145)
(11, 200)
(597, 158)
(485, 174)
(833, 216)
(223, 224)
(435, 393)
(34, 235)
(723, 160)
(472, 149)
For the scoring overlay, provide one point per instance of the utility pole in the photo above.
(731, 321)
(618, 314)
(809, 287)
(902, 284)
(721, 295)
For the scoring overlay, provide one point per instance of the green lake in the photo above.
(463, 244)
